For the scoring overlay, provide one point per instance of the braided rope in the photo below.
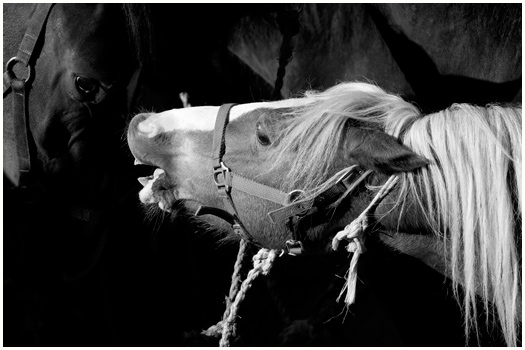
(265, 258)
(354, 234)
(288, 23)
(262, 263)
(217, 329)
(236, 277)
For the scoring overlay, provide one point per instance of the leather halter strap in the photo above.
(337, 188)
(27, 55)
(225, 180)
(222, 175)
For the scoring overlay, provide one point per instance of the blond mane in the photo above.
(472, 188)
(316, 130)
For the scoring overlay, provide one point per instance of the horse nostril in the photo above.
(140, 125)
(146, 127)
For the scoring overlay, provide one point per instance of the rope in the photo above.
(217, 329)
(184, 98)
(288, 22)
(262, 263)
(265, 258)
(354, 234)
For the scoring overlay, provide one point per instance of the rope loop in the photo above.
(354, 234)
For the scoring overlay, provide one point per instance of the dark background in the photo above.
(158, 279)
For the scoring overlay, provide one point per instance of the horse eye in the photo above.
(86, 86)
(261, 135)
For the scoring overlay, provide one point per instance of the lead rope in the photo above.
(288, 23)
(217, 329)
(265, 258)
(354, 234)
(262, 263)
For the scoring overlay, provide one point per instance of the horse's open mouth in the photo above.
(158, 188)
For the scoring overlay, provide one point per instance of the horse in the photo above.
(71, 75)
(431, 54)
(297, 177)
(77, 100)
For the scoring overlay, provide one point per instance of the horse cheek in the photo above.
(194, 180)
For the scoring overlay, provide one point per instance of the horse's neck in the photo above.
(426, 247)
(407, 230)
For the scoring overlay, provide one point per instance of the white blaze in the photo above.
(202, 118)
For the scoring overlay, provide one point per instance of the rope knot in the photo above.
(264, 260)
(354, 234)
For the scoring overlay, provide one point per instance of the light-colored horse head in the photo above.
(456, 206)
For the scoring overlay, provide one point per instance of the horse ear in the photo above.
(378, 151)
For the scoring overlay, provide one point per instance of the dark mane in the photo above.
(140, 31)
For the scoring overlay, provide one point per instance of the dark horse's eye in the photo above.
(86, 86)
(262, 137)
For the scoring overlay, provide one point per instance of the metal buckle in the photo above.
(237, 229)
(294, 247)
(224, 184)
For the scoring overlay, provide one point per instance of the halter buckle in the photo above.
(223, 184)
(237, 229)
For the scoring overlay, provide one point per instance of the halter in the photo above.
(28, 186)
(294, 208)
(27, 54)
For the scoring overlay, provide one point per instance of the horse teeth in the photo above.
(164, 206)
(145, 180)
(158, 172)
(138, 162)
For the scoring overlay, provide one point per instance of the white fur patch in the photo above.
(202, 118)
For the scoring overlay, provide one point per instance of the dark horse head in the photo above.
(85, 59)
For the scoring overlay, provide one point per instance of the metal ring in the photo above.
(9, 69)
(294, 195)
